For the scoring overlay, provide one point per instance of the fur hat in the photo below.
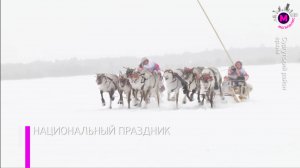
(144, 59)
(240, 62)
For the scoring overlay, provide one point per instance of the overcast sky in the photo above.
(61, 29)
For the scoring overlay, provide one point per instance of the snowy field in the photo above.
(264, 131)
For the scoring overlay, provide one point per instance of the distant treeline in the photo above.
(73, 67)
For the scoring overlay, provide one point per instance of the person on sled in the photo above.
(153, 67)
(237, 74)
(237, 77)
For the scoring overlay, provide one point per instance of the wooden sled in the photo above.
(239, 90)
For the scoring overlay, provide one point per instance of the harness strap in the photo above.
(183, 82)
(143, 80)
(174, 78)
(112, 81)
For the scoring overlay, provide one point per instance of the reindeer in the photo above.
(210, 81)
(108, 83)
(131, 74)
(192, 77)
(125, 87)
(151, 86)
(173, 83)
(145, 83)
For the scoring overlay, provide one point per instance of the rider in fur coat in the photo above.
(153, 67)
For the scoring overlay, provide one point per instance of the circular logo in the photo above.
(283, 18)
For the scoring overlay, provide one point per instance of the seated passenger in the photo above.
(237, 73)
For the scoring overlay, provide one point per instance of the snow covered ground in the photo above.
(264, 131)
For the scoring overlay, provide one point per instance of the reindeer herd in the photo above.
(139, 86)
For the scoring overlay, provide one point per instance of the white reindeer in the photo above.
(145, 83)
(210, 81)
(173, 83)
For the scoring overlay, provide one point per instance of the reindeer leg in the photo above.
(121, 97)
(188, 96)
(142, 97)
(184, 99)
(134, 97)
(192, 95)
(203, 97)
(208, 98)
(135, 92)
(111, 96)
(102, 99)
(221, 93)
(157, 97)
(146, 97)
(128, 98)
(177, 96)
(211, 99)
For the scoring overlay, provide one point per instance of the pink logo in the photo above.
(284, 16)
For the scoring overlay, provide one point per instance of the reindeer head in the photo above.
(129, 71)
(168, 74)
(122, 80)
(188, 74)
(99, 78)
(206, 78)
